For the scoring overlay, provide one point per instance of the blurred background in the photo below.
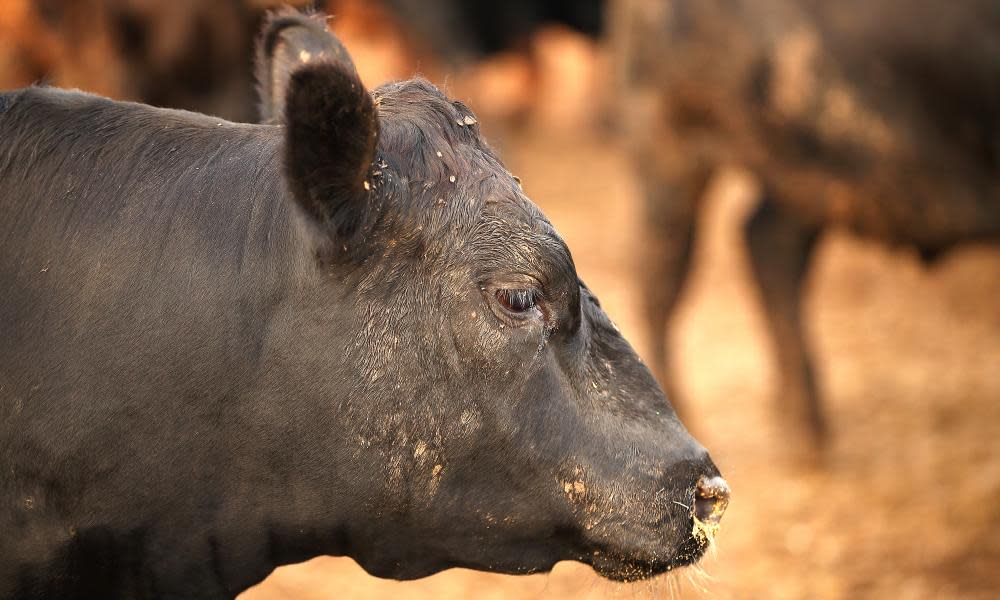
(651, 134)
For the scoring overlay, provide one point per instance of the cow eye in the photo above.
(517, 301)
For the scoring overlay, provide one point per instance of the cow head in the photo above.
(483, 411)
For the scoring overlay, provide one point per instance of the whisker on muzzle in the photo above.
(693, 576)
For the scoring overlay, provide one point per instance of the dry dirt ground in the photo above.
(909, 506)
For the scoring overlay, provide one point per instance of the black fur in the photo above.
(332, 129)
(192, 392)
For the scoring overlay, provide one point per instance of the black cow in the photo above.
(882, 117)
(228, 347)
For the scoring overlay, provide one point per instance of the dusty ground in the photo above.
(910, 364)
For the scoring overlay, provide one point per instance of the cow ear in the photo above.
(287, 40)
(330, 119)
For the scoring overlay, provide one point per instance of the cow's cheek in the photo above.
(489, 351)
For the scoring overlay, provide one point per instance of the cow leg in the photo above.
(671, 215)
(780, 251)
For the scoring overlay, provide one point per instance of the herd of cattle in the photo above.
(346, 330)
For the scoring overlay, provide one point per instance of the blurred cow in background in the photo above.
(197, 55)
(881, 117)
(185, 54)
(463, 32)
(524, 62)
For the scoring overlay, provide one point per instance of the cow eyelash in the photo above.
(517, 301)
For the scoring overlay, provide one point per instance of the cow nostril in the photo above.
(711, 499)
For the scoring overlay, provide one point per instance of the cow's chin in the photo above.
(512, 563)
(616, 561)
(619, 565)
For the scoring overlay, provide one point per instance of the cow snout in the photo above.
(711, 499)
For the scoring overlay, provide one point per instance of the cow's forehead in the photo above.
(516, 238)
(430, 137)
(517, 209)
(435, 143)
